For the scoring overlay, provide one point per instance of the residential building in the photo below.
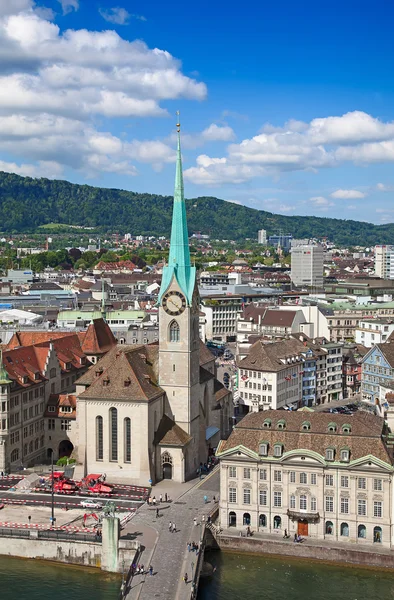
(377, 370)
(314, 474)
(384, 262)
(307, 265)
(81, 318)
(262, 237)
(353, 355)
(373, 331)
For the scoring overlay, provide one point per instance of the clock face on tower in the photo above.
(174, 303)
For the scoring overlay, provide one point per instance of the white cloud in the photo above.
(384, 210)
(382, 187)
(348, 194)
(212, 133)
(352, 207)
(298, 146)
(320, 202)
(118, 15)
(49, 169)
(69, 5)
(53, 84)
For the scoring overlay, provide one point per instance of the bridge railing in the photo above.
(49, 535)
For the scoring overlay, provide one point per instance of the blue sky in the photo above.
(286, 107)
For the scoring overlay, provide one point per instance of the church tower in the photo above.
(179, 343)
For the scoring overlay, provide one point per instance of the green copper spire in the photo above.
(4, 379)
(179, 265)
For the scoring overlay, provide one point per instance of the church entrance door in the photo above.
(167, 471)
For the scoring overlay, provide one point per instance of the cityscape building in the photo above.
(262, 236)
(384, 261)
(307, 265)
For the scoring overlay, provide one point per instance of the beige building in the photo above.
(156, 411)
(320, 475)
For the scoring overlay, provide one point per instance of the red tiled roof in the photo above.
(59, 401)
(98, 338)
(29, 338)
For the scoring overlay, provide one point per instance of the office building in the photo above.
(307, 265)
(384, 262)
(262, 236)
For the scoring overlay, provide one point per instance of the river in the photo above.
(250, 577)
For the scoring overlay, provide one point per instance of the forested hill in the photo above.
(27, 203)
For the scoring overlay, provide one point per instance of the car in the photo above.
(90, 504)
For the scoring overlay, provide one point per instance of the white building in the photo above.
(262, 237)
(307, 265)
(384, 262)
(373, 331)
(220, 315)
(318, 475)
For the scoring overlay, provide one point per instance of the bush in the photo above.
(64, 461)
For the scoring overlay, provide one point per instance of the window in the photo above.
(113, 430)
(345, 455)
(282, 424)
(127, 439)
(52, 373)
(292, 502)
(332, 428)
(246, 496)
(278, 450)
(247, 473)
(51, 425)
(303, 478)
(362, 508)
(329, 503)
(232, 495)
(306, 426)
(267, 423)
(345, 506)
(330, 480)
(378, 509)
(292, 476)
(263, 449)
(14, 455)
(263, 474)
(344, 529)
(278, 499)
(277, 475)
(303, 502)
(329, 528)
(377, 485)
(377, 535)
(346, 428)
(232, 471)
(174, 332)
(344, 481)
(263, 497)
(262, 521)
(99, 438)
(329, 454)
(313, 479)
(277, 522)
(65, 425)
(362, 531)
(362, 483)
(313, 504)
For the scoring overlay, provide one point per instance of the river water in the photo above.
(237, 577)
(250, 577)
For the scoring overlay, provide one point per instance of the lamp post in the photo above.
(123, 583)
(52, 495)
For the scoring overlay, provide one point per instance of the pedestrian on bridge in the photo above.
(173, 528)
(157, 513)
(195, 520)
(151, 570)
(170, 526)
(185, 578)
(161, 498)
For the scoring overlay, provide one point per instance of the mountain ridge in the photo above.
(27, 203)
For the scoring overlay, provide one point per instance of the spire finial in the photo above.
(178, 125)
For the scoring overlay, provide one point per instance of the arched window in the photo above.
(246, 519)
(329, 528)
(113, 434)
(232, 519)
(127, 440)
(99, 438)
(377, 535)
(277, 522)
(263, 521)
(14, 455)
(362, 531)
(344, 529)
(174, 333)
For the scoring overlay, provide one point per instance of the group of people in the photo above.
(140, 569)
(152, 501)
(171, 527)
(298, 539)
(192, 547)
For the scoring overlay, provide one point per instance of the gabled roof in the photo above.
(58, 401)
(28, 338)
(98, 338)
(267, 357)
(25, 365)
(206, 355)
(170, 434)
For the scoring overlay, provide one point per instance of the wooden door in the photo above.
(302, 528)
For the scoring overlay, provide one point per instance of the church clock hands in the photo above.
(174, 303)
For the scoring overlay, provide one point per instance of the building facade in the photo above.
(377, 370)
(317, 475)
(307, 265)
(373, 331)
(262, 237)
(384, 262)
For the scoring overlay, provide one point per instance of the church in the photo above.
(156, 411)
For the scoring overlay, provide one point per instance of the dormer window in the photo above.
(127, 382)
(263, 449)
(282, 424)
(331, 428)
(267, 423)
(106, 382)
(36, 376)
(51, 408)
(345, 455)
(306, 426)
(278, 450)
(346, 428)
(330, 454)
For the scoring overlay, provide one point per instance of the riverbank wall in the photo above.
(382, 559)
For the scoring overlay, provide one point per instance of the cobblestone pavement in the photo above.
(166, 551)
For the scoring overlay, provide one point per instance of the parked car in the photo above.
(91, 504)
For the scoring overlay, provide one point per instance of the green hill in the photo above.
(26, 204)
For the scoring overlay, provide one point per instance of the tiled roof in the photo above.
(267, 357)
(366, 435)
(25, 365)
(387, 350)
(170, 434)
(98, 338)
(206, 355)
(58, 401)
(279, 318)
(28, 338)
